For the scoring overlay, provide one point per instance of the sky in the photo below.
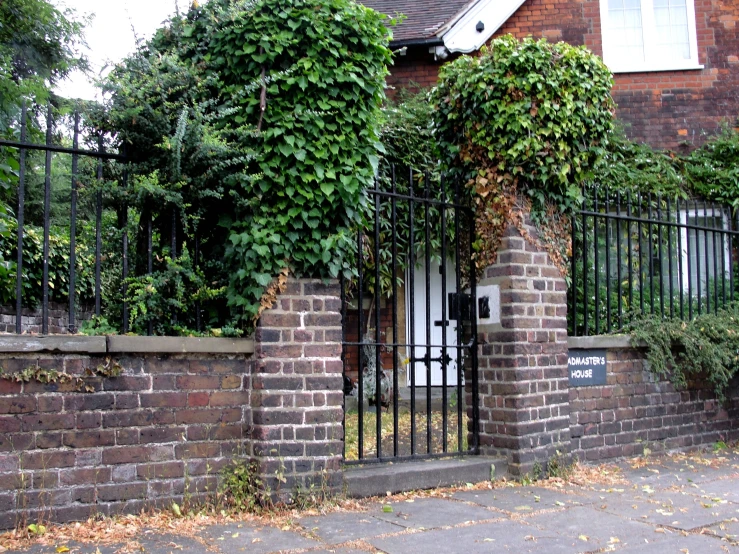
(110, 34)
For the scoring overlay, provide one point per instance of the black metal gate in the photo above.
(409, 350)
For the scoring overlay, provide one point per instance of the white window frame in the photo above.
(651, 61)
(700, 238)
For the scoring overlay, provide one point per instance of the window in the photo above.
(649, 35)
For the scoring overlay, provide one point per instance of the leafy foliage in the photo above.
(713, 170)
(260, 120)
(705, 349)
(33, 264)
(163, 297)
(526, 123)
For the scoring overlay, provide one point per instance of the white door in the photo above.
(437, 326)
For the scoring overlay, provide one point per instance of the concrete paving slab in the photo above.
(74, 548)
(374, 480)
(431, 513)
(673, 509)
(675, 543)
(728, 530)
(725, 489)
(504, 536)
(523, 500)
(594, 529)
(338, 528)
(152, 544)
(236, 537)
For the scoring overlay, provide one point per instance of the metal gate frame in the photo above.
(462, 308)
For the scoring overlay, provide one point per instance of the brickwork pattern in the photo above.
(523, 379)
(635, 410)
(159, 432)
(298, 398)
(666, 109)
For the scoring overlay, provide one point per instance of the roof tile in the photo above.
(423, 17)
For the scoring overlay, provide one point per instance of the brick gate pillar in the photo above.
(523, 376)
(297, 399)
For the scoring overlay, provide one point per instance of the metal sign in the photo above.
(587, 367)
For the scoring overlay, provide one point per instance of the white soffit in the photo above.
(461, 35)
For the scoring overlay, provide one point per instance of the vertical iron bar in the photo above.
(698, 257)
(173, 252)
(596, 258)
(715, 259)
(427, 252)
(620, 291)
(722, 250)
(125, 248)
(641, 256)
(361, 344)
(98, 226)
(651, 254)
(659, 253)
(708, 261)
(342, 285)
(670, 256)
(459, 320)
(473, 343)
(572, 312)
(378, 296)
(680, 277)
(198, 317)
(394, 277)
(444, 322)
(73, 226)
(630, 253)
(584, 268)
(20, 217)
(150, 263)
(607, 221)
(47, 223)
(730, 240)
(687, 258)
(412, 307)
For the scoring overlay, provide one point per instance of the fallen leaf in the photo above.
(387, 509)
(583, 537)
(62, 549)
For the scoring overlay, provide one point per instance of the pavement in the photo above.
(681, 503)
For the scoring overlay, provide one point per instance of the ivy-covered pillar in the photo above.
(297, 397)
(523, 379)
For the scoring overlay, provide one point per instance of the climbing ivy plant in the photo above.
(260, 119)
(524, 123)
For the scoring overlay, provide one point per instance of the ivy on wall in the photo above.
(524, 123)
(260, 121)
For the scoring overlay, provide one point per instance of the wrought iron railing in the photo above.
(86, 182)
(636, 254)
(409, 324)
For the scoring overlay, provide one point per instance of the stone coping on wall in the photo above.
(602, 341)
(125, 344)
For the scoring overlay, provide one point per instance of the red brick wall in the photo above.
(634, 410)
(162, 430)
(670, 109)
(414, 71)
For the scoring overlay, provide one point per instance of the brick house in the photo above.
(675, 62)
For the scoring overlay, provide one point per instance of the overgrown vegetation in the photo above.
(257, 123)
(79, 383)
(704, 350)
(524, 124)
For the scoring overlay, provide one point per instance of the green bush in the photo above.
(260, 121)
(705, 349)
